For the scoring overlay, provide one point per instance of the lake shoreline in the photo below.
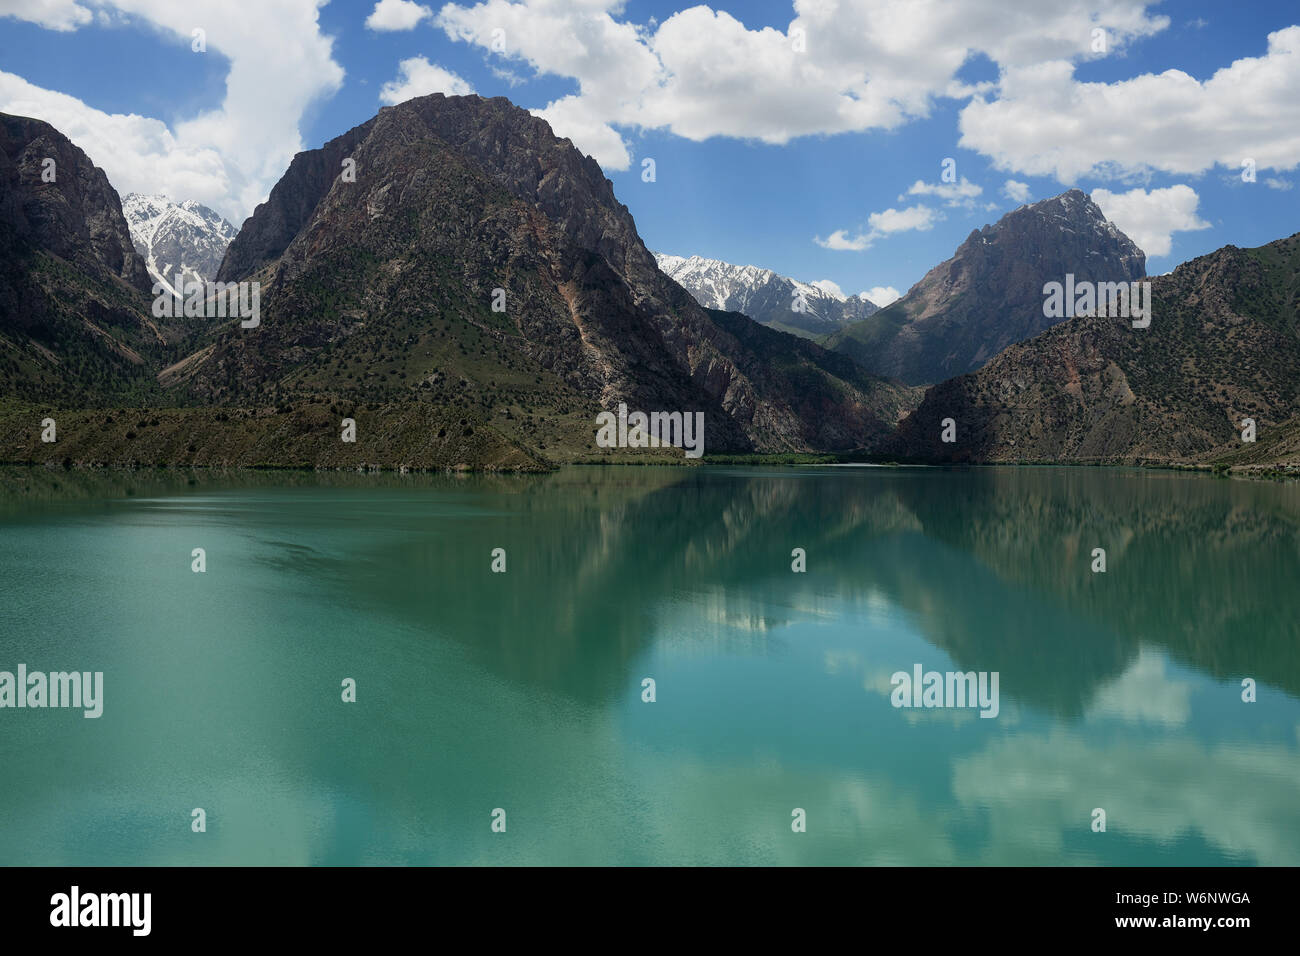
(426, 438)
(726, 461)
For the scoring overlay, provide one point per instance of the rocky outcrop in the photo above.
(274, 223)
(1221, 347)
(989, 295)
(74, 321)
(67, 209)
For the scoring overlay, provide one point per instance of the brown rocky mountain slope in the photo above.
(382, 290)
(74, 312)
(989, 295)
(1223, 345)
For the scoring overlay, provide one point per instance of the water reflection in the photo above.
(1119, 690)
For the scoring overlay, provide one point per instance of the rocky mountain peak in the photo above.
(1221, 347)
(989, 294)
(457, 201)
(183, 241)
(518, 150)
(54, 197)
(74, 311)
(765, 296)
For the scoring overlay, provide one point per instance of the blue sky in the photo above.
(806, 137)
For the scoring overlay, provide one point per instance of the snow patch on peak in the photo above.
(810, 308)
(830, 288)
(180, 242)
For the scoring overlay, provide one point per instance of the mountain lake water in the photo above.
(523, 691)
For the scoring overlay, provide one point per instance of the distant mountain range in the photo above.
(179, 241)
(776, 301)
(989, 295)
(380, 293)
(477, 295)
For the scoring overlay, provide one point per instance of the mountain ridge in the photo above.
(988, 295)
(767, 297)
(465, 196)
(181, 242)
(378, 300)
(74, 319)
(1223, 345)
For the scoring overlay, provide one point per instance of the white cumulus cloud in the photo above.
(52, 14)
(227, 156)
(1016, 191)
(391, 15)
(837, 67)
(419, 77)
(883, 295)
(1044, 122)
(840, 241)
(1151, 218)
(882, 224)
(918, 218)
(960, 193)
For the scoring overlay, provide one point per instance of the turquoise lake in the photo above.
(1120, 690)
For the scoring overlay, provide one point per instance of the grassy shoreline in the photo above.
(738, 461)
(419, 438)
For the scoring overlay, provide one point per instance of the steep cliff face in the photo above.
(274, 223)
(1223, 345)
(77, 216)
(385, 292)
(989, 295)
(73, 305)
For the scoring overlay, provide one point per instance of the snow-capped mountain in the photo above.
(176, 239)
(804, 308)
